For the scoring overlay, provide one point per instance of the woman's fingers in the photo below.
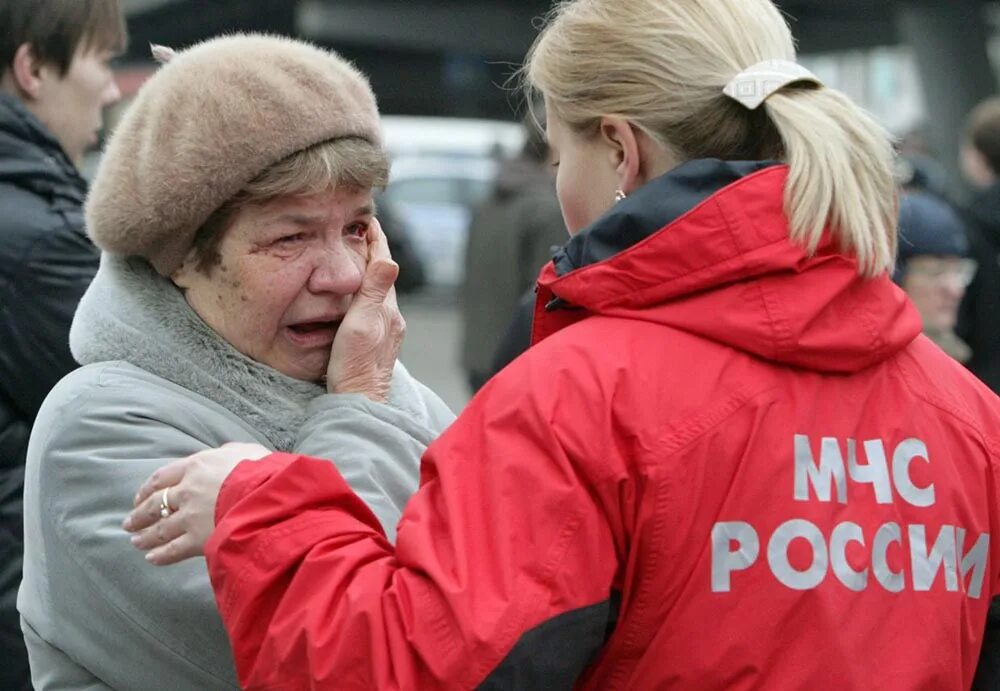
(179, 549)
(367, 343)
(378, 252)
(378, 243)
(160, 533)
(149, 511)
(175, 508)
(167, 476)
(381, 272)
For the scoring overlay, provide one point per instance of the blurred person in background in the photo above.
(934, 267)
(730, 460)
(916, 173)
(241, 256)
(516, 336)
(511, 236)
(55, 80)
(918, 167)
(979, 323)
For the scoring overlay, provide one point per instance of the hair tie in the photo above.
(755, 84)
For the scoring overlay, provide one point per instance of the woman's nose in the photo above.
(337, 270)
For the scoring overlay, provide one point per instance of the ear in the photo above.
(26, 72)
(618, 134)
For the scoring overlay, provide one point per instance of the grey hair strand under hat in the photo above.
(207, 123)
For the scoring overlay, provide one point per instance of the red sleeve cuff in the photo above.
(246, 477)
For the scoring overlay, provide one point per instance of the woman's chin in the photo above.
(310, 368)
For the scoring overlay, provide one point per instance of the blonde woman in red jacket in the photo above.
(729, 461)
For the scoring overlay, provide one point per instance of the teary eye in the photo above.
(357, 229)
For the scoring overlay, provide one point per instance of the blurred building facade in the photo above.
(913, 63)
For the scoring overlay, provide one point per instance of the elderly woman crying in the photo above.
(241, 257)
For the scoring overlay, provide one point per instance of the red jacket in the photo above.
(724, 465)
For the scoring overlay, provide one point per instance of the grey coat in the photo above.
(160, 385)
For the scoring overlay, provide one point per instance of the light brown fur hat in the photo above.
(208, 122)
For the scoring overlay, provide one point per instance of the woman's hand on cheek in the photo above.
(192, 487)
(368, 340)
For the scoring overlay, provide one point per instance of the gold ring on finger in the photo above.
(165, 509)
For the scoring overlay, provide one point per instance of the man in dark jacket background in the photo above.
(55, 80)
(510, 238)
(979, 325)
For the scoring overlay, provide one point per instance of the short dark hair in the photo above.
(56, 29)
(983, 131)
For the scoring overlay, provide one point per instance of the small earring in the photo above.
(619, 195)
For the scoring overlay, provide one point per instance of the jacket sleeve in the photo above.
(377, 447)
(501, 576)
(87, 593)
(36, 309)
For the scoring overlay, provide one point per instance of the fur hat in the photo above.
(208, 122)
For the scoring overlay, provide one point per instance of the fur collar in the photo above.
(131, 313)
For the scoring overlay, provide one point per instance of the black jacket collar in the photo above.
(650, 208)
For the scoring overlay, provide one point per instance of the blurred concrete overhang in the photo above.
(448, 56)
(134, 7)
(498, 30)
(495, 29)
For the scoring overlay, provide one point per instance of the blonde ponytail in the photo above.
(840, 175)
(663, 65)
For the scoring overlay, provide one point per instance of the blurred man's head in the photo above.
(933, 266)
(54, 57)
(981, 146)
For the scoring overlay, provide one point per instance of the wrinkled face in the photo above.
(289, 269)
(936, 285)
(585, 179)
(71, 106)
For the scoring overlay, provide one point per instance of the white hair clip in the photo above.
(752, 86)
